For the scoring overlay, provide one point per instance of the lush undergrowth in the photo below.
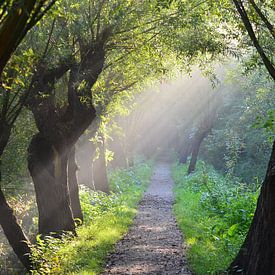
(106, 220)
(214, 212)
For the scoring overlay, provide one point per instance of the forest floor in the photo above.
(154, 244)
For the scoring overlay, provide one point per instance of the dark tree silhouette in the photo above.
(16, 19)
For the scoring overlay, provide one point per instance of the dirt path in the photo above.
(153, 244)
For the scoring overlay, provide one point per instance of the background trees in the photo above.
(243, 148)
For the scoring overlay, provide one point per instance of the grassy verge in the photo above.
(106, 220)
(214, 212)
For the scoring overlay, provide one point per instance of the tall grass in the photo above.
(214, 212)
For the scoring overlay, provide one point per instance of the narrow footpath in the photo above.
(153, 244)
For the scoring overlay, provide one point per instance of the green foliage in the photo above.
(14, 159)
(214, 212)
(106, 220)
(240, 141)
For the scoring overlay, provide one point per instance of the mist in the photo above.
(161, 117)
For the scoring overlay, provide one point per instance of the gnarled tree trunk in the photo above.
(59, 129)
(48, 168)
(257, 254)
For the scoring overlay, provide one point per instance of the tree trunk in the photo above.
(73, 187)
(100, 179)
(12, 230)
(14, 233)
(245, 19)
(84, 155)
(119, 160)
(130, 158)
(48, 169)
(194, 157)
(257, 254)
(195, 150)
(185, 152)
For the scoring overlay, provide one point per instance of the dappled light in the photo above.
(137, 137)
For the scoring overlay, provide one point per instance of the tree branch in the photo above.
(262, 16)
(241, 10)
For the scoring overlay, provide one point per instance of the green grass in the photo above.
(214, 213)
(107, 218)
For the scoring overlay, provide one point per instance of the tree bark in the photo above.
(257, 254)
(73, 187)
(100, 179)
(48, 168)
(14, 233)
(244, 17)
(194, 157)
(198, 138)
(185, 152)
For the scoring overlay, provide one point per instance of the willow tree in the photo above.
(116, 87)
(60, 126)
(81, 39)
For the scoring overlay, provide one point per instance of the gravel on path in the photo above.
(154, 244)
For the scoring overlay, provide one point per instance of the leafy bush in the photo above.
(215, 213)
(106, 219)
